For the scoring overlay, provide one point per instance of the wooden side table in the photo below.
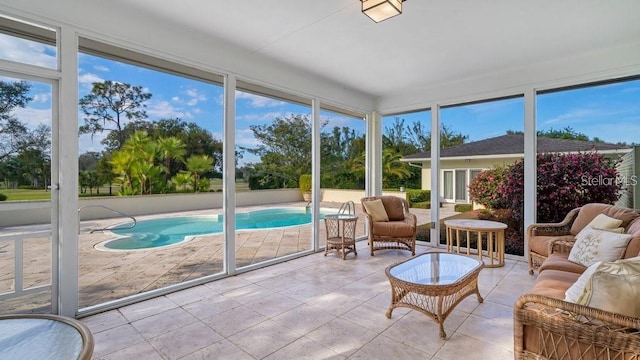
(341, 233)
(494, 237)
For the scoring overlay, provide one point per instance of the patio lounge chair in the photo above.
(391, 225)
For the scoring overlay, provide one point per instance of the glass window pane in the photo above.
(26, 119)
(273, 136)
(461, 185)
(448, 185)
(28, 43)
(150, 148)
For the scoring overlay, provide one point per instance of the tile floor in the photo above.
(313, 307)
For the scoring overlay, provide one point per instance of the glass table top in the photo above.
(435, 268)
(31, 338)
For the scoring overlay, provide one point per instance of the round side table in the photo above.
(341, 233)
(494, 237)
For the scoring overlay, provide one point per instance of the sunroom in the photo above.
(244, 100)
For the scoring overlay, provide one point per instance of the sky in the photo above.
(610, 112)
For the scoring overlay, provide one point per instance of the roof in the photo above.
(513, 144)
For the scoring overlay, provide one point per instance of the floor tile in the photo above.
(304, 318)
(264, 339)
(221, 350)
(342, 336)
(304, 349)
(140, 351)
(185, 340)
(383, 347)
(147, 308)
(104, 321)
(235, 320)
(464, 347)
(163, 322)
(312, 308)
(118, 338)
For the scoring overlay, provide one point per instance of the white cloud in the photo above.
(164, 110)
(176, 99)
(86, 80)
(245, 138)
(27, 52)
(194, 97)
(33, 117)
(261, 117)
(572, 116)
(258, 101)
(101, 68)
(41, 98)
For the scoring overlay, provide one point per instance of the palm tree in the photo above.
(198, 165)
(182, 179)
(170, 149)
(392, 166)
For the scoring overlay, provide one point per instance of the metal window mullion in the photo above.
(434, 238)
(315, 173)
(228, 170)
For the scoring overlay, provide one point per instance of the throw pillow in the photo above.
(575, 291)
(617, 293)
(376, 210)
(594, 245)
(625, 266)
(604, 222)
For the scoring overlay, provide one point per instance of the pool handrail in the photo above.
(347, 208)
(107, 208)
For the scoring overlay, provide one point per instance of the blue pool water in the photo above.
(168, 231)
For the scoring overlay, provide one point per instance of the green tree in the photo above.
(284, 150)
(109, 105)
(171, 150)
(338, 147)
(13, 132)
(197, 165)
(182, 180)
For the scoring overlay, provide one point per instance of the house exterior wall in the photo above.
(462, 164)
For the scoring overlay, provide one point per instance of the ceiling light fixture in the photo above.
(380, 10)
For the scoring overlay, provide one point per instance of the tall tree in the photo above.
(13, 132)
(284, 149)
(109, 105)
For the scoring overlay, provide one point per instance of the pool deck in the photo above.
(110, 275)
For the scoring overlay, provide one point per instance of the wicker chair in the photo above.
(397, 233)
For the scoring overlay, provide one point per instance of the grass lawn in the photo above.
(28, 194)
(25, 194)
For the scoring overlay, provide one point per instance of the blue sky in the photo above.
(610, 112)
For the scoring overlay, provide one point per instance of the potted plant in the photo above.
(305, 186)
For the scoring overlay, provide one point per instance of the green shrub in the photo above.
(416, 196)
(421, 205)
(305, 183)
(3, 197)
(463, 207)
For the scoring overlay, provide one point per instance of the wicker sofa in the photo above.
(547, 327)
(540, 236)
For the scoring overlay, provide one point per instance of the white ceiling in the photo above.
(433, 42)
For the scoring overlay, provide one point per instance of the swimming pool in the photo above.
(154, 233)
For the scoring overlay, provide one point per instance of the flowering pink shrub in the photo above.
(483, 188)
(565, 181)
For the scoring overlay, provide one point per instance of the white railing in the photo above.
(18, 268)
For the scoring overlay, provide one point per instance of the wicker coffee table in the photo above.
(433, 283)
